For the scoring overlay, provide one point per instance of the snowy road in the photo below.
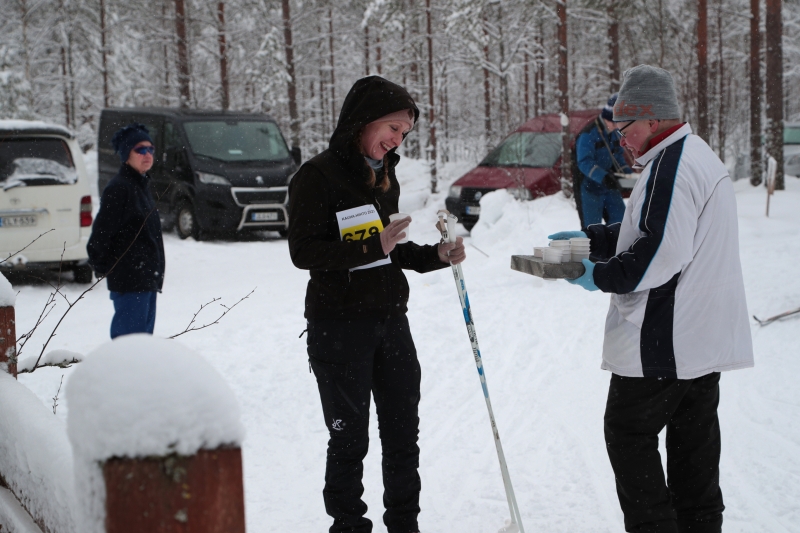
(541, 343)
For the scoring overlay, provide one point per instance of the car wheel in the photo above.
(83, 274)
(185, 220)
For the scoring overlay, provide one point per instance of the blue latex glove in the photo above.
(587, 280)
(566, 235)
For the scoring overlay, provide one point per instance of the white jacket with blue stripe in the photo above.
(678, 306)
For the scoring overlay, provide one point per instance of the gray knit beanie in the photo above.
(647, 93)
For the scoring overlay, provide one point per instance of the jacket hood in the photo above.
(369, 99)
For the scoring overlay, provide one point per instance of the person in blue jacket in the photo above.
(126, 245)
(599, 158)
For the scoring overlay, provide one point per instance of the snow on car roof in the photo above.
(34, 126)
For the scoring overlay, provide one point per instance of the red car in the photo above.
(527, 163)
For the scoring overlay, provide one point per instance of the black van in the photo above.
(214, 172)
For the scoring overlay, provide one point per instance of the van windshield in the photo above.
(31, 161)
(230, 141)
(526, 149)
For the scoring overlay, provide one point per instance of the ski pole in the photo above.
(448, 235)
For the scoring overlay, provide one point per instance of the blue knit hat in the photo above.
(126, 138)
(608, 111)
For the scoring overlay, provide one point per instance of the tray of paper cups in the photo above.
(560, 260)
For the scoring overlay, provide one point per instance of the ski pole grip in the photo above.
(447, 225)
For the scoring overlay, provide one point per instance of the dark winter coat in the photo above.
(127, 207)
(334, 181)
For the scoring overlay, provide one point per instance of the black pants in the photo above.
(637, 410)
(351, 359)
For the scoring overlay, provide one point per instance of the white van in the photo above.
(45, 201)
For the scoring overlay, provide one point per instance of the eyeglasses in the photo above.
(141, 150)
(620, 130)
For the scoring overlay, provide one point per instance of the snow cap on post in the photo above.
(7, 294)
(140, 396)
(647, 93)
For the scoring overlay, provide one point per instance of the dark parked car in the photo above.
(527, 163)
(214, 172)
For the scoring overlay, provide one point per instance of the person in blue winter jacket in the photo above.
(126, 245)
(599, 158)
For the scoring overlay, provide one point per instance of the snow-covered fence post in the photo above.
(156, 436)
(8, 332)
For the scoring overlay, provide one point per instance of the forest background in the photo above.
(477, 68)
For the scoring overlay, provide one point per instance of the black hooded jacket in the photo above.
(127, 208)
(337, 180)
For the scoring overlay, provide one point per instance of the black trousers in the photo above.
(351, 359)
(637, 410)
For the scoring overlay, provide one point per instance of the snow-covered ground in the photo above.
(541, 343)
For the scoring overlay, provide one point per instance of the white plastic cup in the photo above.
(398, 216)
(560, 244)
(538, 250)
(577, 257)
(580, 240)
(552, 255)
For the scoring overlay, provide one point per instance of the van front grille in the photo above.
(260, 196)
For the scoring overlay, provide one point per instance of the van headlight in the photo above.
(212, 178)
(454, 192)
(521, 193)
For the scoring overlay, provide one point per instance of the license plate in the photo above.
(18, 221)
(263, 217)
(627, 183)
(472, 209)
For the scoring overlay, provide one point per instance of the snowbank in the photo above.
(13, 517)
(140, 396)
(509, 226)
(7, 294)
(35, 456)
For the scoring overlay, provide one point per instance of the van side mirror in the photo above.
(296, 155)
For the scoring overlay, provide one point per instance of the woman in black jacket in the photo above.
(358, 334)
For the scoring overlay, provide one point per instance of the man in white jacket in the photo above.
(678, 315)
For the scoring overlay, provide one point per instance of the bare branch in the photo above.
(23, 249)
(55, 398)
(227, 310)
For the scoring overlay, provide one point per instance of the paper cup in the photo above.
(398, 216)
(552, 255)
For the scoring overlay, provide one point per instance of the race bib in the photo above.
(360, 223)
